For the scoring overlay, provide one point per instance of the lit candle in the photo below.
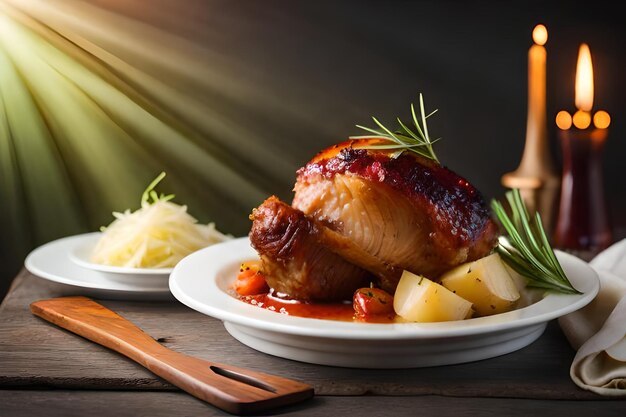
(535, 169)
(582, 225)
(536, 121)
(535, 176)
(583, 91)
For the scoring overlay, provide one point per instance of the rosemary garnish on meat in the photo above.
(526, 249)
(404, 138)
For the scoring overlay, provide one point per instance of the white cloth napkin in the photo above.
(598, 331)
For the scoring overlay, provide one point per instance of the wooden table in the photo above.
(47, 371)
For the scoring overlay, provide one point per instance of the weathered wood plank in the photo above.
(61, 403)
(34, 353)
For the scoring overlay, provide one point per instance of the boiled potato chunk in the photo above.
(485, 282)
(419, 299)
(528, 295)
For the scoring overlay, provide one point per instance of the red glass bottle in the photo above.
(583, 226)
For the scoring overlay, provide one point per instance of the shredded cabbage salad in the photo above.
(158, 235)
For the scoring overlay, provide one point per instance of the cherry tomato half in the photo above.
(368, 302)
(251, 282)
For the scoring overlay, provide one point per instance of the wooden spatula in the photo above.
(235, 390)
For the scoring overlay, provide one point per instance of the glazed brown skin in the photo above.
(296, 257)
(409, 211)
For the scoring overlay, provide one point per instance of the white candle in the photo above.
(536, 177)
(535, 169)
(536, 121)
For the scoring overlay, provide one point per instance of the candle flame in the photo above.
(601, 119)
(540, 35)
(584, 79)
(582, 119)
(563, 120)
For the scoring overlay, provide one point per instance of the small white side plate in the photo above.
(51, 261)
(81, 254)
(202, 279)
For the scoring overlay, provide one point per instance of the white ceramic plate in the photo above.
(201, 280)
(81, 254)
(51, 261)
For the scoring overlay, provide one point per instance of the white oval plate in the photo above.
(81, 254)
(51, 261)
(201, 281)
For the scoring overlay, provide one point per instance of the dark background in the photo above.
(337, 63)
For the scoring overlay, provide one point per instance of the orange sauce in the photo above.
(341, 311)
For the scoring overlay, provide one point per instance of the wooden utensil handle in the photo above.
(236, 390)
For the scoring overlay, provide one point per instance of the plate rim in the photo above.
(301, 326)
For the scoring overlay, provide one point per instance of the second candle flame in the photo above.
(584, 80)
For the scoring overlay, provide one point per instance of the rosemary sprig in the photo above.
(527, 249)
(404, 138)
